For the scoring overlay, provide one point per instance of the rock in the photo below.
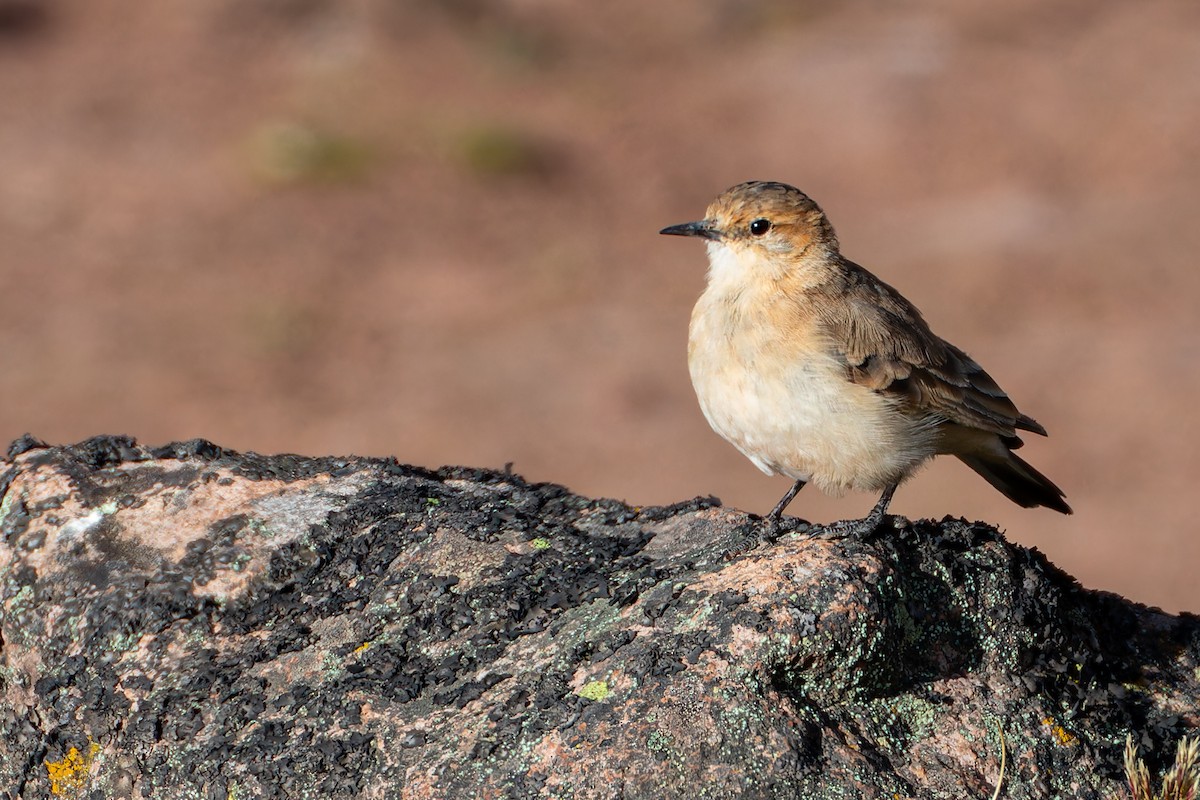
(187, 621)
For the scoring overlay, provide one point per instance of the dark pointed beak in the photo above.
(703, 228)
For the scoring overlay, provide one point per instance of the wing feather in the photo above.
(888, 347)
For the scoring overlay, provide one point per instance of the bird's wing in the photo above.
(888, 347)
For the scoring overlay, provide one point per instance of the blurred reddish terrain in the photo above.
(429, 230)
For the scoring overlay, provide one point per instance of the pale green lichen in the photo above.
(122, 642)
(257, 526)
(659, 742)
(331, 666)
(540, 543)
(6, 504)
(594, 690)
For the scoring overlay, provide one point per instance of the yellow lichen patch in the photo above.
(1061, 734)
(362, 648)
(70, 774)
(594, 690)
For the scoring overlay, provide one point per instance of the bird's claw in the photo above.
(774, 529)
(779, 527)
(850, 528)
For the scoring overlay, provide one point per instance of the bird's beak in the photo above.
(703, 228)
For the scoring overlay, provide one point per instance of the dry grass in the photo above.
(1180, 782)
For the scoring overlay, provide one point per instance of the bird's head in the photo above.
(762, 227)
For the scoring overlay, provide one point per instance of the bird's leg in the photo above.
(866, 525)
(777, 511)
(871, 521)
(775, 526)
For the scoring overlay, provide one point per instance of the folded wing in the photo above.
(888, 347)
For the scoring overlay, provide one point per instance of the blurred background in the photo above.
(428, 229)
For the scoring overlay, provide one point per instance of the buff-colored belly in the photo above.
(785, 402)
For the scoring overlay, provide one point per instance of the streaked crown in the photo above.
(766, 218)
(769, 211)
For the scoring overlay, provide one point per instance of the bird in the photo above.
(817, 370)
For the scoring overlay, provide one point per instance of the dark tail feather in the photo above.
(1019, 482)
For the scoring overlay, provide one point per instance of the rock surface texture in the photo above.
(190, 622)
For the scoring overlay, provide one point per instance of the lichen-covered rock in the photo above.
(189, 622)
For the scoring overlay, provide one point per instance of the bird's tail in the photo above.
(1017, 480)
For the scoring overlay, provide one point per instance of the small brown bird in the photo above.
(815, 369)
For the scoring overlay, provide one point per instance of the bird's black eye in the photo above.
(760, 226)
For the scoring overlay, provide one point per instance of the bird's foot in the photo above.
(853, 528)
(771, 530)
(778, 527)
